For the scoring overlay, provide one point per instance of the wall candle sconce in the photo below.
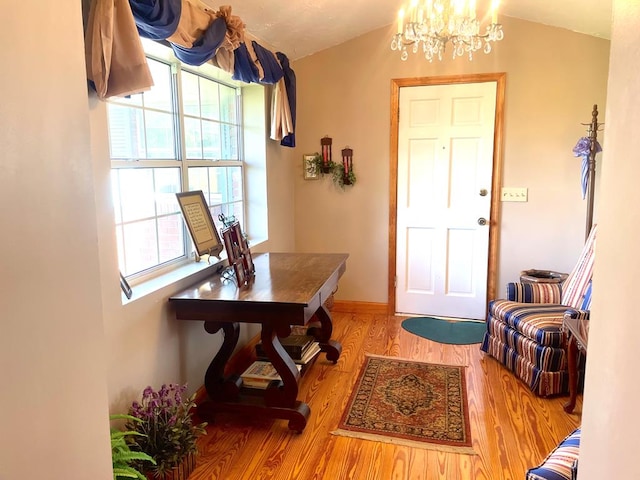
(327, 162)
(347, 166)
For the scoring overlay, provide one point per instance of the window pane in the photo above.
(193, 138)
(160, 137)
(235, 183)
(190, 94)
(140, 246)
(136, 193)
(227, 104)
(234, 210)
(170, 233)
(199, 180)
(167, 184)
(229, 142)
(211, 140)
(126, 132)
(218, 184)
(209, 100)
(159, 97)
(115, 195)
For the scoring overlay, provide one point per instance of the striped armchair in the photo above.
(524, 332)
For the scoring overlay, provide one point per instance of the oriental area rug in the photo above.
(410, 403)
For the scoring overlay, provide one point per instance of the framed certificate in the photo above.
(200, 223)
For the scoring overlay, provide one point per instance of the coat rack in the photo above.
(594, 126)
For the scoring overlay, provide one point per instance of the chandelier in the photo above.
(434, 23)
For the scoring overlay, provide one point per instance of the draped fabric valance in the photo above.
(117, 66)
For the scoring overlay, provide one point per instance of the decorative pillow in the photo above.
(561, 463)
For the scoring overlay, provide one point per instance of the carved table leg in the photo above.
(323, 333)
(572, 354)
(218, 387)
(280, 398)
(280, 395)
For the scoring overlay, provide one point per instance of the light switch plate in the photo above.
(514, 194)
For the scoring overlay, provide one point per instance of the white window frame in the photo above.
(164, 55)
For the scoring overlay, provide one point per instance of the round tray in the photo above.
(542, 276)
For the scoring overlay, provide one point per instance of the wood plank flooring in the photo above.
(511, 428)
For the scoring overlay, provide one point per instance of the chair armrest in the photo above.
(573, 313)
(534, 292)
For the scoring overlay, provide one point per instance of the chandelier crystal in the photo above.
(432, 24)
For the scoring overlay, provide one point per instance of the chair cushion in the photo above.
(541, 322)
(561, 463)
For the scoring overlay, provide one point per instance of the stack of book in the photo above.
(260, 374)
(301, 348)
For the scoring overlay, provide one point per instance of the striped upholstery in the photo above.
(524, 332)
(561, 463)
(577, 283)
(534, 292)
(537, 321)
(547, 358)
(542, 383)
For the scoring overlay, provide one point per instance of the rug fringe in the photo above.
(404, 442)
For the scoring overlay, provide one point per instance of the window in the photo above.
(182, 135)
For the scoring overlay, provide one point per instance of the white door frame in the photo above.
(396, 84)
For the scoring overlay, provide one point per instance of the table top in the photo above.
(283, 282)
(578, 327)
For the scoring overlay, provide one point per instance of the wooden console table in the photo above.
(577, 332)
(288, 289)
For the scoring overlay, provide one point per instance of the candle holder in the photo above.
(327, 161)
(347, 166)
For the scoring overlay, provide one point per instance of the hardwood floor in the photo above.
(512, 429)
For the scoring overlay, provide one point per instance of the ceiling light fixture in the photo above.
(434, 23)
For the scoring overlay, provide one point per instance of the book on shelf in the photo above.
(294, 345)
(260, 374)
(306, 357)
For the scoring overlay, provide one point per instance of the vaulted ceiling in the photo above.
(302, 27)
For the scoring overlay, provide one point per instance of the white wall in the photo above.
(53, 397)
(610, 419)
(553, 78)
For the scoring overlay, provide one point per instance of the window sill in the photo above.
(178, 278)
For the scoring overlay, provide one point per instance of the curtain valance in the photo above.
(117, 66)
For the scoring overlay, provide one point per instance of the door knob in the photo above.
(483, 192)
(482, 221)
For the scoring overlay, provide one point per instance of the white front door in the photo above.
(445, 158)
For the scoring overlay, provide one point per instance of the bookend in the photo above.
(238, 254)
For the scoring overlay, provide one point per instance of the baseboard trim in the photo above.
(371, 308)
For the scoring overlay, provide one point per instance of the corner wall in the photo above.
(610, 420)
(54, 415)
(554, 77)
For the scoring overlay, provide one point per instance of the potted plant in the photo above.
(122, 457)
(169, 434)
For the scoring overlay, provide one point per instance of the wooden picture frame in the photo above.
(197, 216)
(309, 167)
(238, 254)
